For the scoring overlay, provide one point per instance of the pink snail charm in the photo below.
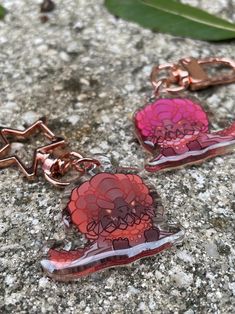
(122, 221)
(176, 132)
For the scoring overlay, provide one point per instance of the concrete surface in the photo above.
(87, 72)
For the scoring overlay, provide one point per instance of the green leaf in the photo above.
(2, 12)
(169, 16)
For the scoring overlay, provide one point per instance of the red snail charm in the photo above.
(122, 221)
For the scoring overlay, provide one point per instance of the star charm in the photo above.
(9, 136)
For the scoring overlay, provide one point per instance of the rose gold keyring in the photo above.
(163, 85)
(52, 168)
(54, 158)
(191, 73)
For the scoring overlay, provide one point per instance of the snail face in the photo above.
(108, 204)
(123, 214)
(169, 119)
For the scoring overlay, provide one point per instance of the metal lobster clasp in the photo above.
(193, 74)
(55, 160)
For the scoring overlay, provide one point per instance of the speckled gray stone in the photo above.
(87, 72)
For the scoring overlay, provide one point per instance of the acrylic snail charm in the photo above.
(176, 130)
(122, 221)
